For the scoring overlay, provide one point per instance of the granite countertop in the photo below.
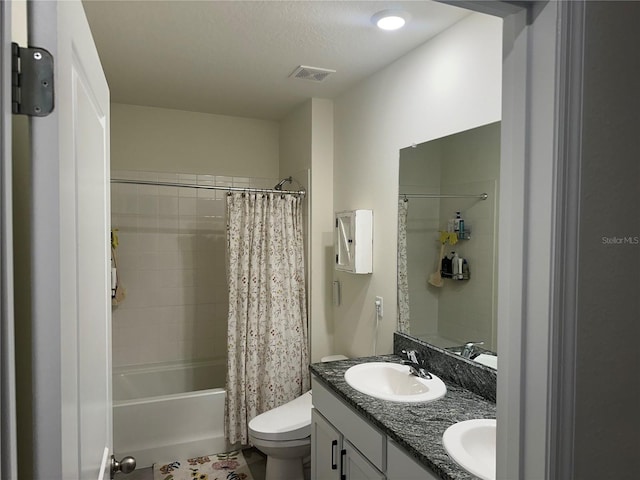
(417, 427)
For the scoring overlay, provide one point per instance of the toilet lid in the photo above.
(287, 422)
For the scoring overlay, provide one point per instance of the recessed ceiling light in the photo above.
(390, 19)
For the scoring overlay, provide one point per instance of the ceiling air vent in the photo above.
(314, 74)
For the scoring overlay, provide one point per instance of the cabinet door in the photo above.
(345, 225)
(368, 440)
(354, 241)
(356, 467)
(326, 443)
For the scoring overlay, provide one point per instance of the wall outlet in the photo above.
(379, 306)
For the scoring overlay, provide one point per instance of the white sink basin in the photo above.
(393, 382)
(472, 445)
(488, 360)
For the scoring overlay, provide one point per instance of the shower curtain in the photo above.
(403, 282)
(267, 331)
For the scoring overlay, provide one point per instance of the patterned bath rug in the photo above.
(219, 466)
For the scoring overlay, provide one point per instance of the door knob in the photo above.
(126, 465)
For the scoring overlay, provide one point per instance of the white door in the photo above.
(70, 253)
(8, 430)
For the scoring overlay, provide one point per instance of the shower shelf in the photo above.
(466, 235)
(450, 276)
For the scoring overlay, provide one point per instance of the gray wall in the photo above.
(608, 357)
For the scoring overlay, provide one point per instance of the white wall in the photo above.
(295, 142)
(306, 143)
(321, 238)
(450, 84)
(295, 160)
(164, 140)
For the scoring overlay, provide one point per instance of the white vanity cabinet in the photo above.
(401, 466)
(335, 458)
(344, 446)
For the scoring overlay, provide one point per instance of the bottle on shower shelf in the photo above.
(458, 224)
(447, 267)
(455, 264)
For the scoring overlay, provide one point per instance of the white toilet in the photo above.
(284, 435)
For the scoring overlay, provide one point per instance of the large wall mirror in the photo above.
(447, 266)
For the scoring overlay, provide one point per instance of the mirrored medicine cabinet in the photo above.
(353, 241)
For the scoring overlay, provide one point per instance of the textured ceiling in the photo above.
(235, 57)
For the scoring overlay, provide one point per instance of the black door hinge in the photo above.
(31, 81)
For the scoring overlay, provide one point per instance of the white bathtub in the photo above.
(169, 411)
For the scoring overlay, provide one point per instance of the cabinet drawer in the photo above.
(401, 466)
(366, 438)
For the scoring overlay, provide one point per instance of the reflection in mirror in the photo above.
(447, 264)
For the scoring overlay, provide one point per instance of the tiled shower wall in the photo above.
(171, 261)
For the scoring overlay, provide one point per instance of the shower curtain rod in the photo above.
(300, 192)
(482, 196)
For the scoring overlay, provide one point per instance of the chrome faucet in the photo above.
(469, 349)
(416, 366)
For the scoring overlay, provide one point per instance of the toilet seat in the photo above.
(291, 421)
